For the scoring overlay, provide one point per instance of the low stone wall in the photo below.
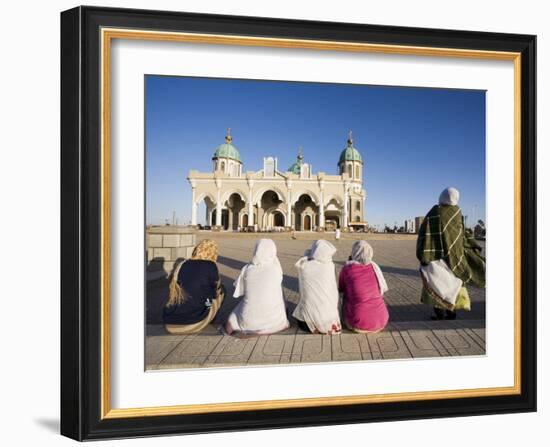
(165, 246)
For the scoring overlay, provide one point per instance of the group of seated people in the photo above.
(449, 258)
(196, 293)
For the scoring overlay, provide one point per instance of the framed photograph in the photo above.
(275, 223)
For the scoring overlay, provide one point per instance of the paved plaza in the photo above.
(410, 333)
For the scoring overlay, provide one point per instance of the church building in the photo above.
(272, 199)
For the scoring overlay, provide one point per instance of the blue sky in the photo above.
(414, 141)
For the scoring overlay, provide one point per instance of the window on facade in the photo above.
(349, 170)
(222, 166)
(358, 206)
(357, 171)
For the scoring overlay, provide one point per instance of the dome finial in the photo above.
(350, 138)
(228, 137)
(300, 154)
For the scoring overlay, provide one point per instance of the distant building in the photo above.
(417, 222)
(410, 226)
(293, 199)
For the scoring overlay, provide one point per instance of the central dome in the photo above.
(227, 150)
(296, 167)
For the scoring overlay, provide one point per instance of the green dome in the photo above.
(295, 168)
(350, 154)
(227, 150)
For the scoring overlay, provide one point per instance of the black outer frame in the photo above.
(81, 207)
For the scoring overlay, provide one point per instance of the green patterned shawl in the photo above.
(442, 236)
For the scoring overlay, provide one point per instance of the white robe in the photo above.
(318, 305)
(262, 308)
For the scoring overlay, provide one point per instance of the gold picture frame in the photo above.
(518, 49)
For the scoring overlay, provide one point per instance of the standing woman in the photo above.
(448, 253)
(317, 310)
(363, 286)
(262, 310)
(195, 293)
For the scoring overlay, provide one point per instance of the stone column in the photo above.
(289, 209)
(230, 219)
(289, 222)
(218, 205)
(322, 208)
(260, 218)
(250, 204)
(193, 208)
(193, 202)
(346, 204)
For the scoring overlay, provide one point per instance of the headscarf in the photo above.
(321, 251)
(449, 196)
(205, 250)
(361, 252)
(265, 252)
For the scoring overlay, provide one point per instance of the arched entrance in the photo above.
(278, 219)
(245, 220)
(305, 206)
(333, 214)
(307, 222)
(235, 204)
(267, 207)
(205, 205)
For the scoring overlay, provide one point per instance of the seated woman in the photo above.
(262, 310)
(442, 238)
(195, 294)
(317, 310)
(363, 286)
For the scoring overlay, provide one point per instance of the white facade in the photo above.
(269, 199)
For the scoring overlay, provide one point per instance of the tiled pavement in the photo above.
(410, 334)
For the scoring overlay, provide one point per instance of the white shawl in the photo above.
(441, 280)
(262, 309)
(318, 305)
(361, 253)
